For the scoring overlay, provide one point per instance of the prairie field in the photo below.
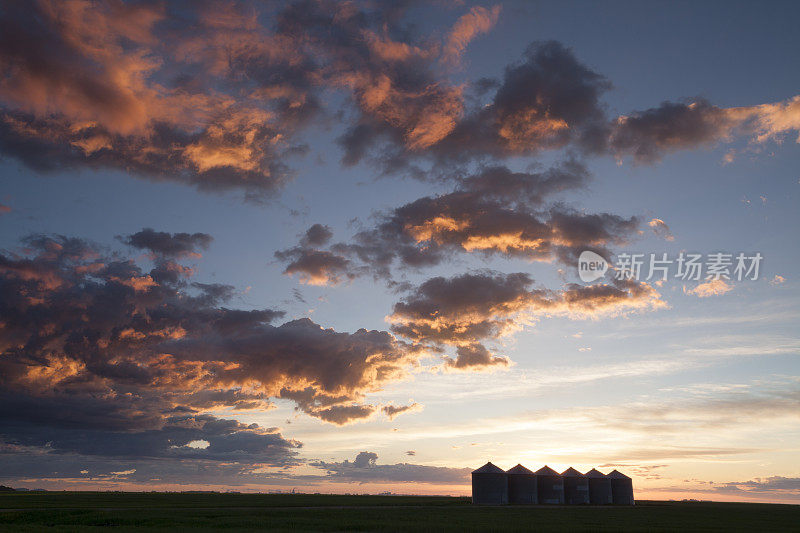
(127, 511)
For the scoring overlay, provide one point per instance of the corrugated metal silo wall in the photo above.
(489, 489)
(599, 491)
(550, 489)
(576, 490)
(622, 491)
(522, 489)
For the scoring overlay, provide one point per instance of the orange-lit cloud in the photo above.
(148, 343)
(465, 311)
(492, 212)
(219, 102)
(661, 229)
(714, 287)
(479, 20)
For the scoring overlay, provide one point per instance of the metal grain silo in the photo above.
(521, 486)
(489, 485)
(549, 486)
(576, 487)
(621, 488)
(599, 487)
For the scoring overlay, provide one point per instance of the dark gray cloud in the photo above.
(474, 356)
(316, 267)
(219, 95)
(93, 344)
(365, 468)
(168, 244)
(467, 310)
(86, 84)
(769, 485)
(432, 230)
(545, 101)
(214, 95)
(317, 235)
(526, 188)
(33, 467)
(494, 211)
(648, 135)
(19, 462)
(169, 438)
(395, 410)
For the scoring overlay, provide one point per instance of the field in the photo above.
(87, 511)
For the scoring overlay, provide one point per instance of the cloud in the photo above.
(648, 135)
(545, 101)
(4, 209)
(770, 485)
(225, 104)
(219, 96)
(474, 356)
(316, 267)
(94, 342)
(395, 410)
(365, 468)
(777, 280)
(215, 95)
(227, 440)
(467, 309)
(85, 85)
(775, 402)
(168, 244)
(549, 100)
(313, 265)
(45, 467)
(542, 102)
(714, 287)
(479, 20)
(661, 229)
(344, 414)
(630, 428)
(493, 212)
(463, 309)
(317, 235)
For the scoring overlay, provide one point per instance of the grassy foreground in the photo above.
(86, 511)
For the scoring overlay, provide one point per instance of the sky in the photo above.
(334, 246)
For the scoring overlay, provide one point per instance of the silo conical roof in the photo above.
(489, 468)
(571, 472)
(616, 474)
(546, 471)
(519, 469)
(594, 473)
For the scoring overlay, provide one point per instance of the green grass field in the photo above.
(86, 511)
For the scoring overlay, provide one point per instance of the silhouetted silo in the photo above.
(549, 486)
(489, 485)
(621, 488)
(521, 486)
(576, 487)
(599, 487)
